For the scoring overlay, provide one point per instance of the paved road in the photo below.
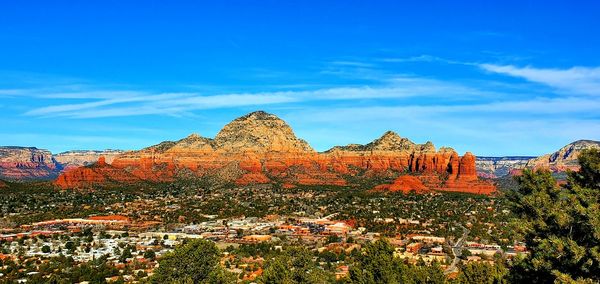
(457, 250)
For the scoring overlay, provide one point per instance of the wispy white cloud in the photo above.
(423, 58)
(576, 80)
(175, 104)
(499, 110)
(352, 63)
(103, 103)
(523, 124)
(77, 107)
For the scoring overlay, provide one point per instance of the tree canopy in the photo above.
(377, 264)
(560, 224)
(197, 261)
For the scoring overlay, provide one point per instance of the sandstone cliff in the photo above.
(261, 148)
(27, 163)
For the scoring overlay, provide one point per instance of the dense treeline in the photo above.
(560, 224)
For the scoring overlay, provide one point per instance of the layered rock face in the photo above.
(261, 148)
(495, 167)
(78, 158)
(27, 163)
(560, 161)
(565, 158)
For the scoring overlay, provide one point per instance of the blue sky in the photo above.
(517, 78)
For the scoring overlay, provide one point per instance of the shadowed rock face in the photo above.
(261, 148)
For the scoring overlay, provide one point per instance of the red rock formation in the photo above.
(466, 180)
(101, 161)
(474, 186)
(466, 168)
(453, 167)
(97, 174)
(261, 148)
(404, 184)
(252, 178)
(78, 177)
(461, 177)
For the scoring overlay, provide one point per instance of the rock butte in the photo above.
(260, 148)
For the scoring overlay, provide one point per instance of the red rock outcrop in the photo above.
(404, 183)
(99, 173)
(459, 177)
(261, 148)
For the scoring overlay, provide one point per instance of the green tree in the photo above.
(196, 261)
(45, 249)
(377, 264)
(482, 273)
(276, 271)
(465, 253)
(125, 255)
(294, 265)
(220, 276)
(333, 239)
(70, 245)
(560, 224)
(149, 254)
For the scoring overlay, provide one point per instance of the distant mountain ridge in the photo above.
(495, 167)
(260, 148)
(565, 158)
(560, 161)
(31, 163)
(27, 163)
(77, 158)
(246, 135)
